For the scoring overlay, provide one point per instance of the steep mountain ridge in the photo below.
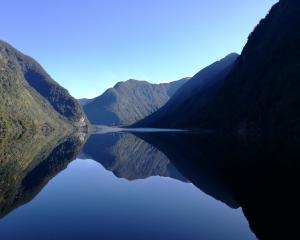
(30, 98)
(261, 94)
(187, 101)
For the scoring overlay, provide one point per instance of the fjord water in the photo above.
(88, 202)
(125, 186)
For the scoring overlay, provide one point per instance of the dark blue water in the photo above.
(129, 190)
(87, 202)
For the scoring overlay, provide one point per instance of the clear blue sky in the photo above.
(89, 45)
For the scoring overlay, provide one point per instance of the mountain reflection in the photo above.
(29, 161)
(259, 174)
(128, 156)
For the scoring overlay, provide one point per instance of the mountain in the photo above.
(83, 101)
(129, 101)
(30, 98)
(261, 94)
(187, 101)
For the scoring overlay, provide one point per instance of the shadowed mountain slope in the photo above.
(189, 99)
(261, 93)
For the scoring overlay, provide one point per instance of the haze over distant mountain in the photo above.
(129, 101)
(30, 98)
(84, 101)
(187, 101)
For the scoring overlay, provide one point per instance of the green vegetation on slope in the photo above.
(30, 98)
(21, 107)
(130, 101)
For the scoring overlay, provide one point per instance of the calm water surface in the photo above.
(119, 186)
(87, 202)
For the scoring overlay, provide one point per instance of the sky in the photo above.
(89, 45)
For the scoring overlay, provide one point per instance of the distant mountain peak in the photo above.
(129, 101)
